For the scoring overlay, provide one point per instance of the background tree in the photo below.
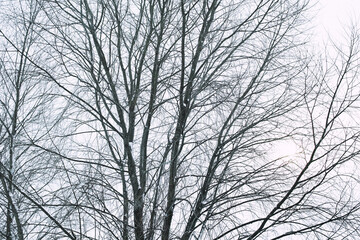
(167, 112)
(25, 119)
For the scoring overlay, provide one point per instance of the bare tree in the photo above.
(169, 111)
(25, 120)
(14, 118)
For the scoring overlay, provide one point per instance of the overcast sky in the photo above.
(333, 15)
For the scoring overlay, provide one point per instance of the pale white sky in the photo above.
(332, 19)
(334, 15)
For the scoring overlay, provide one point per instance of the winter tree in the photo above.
(159, 119)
